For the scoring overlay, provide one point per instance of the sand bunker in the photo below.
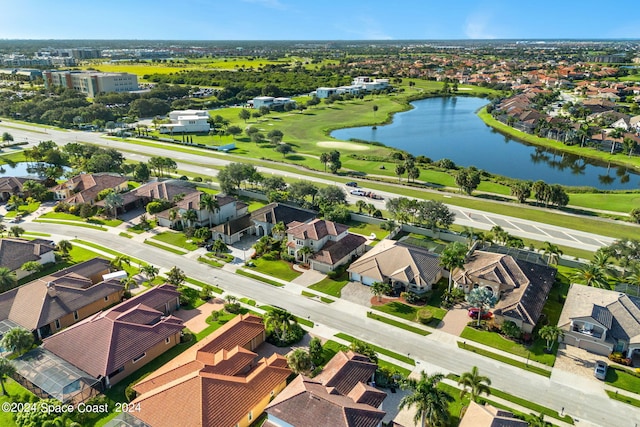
(343, 145)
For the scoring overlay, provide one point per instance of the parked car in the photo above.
(351, 184)
(473, 313)
(601, 370)
(358, 192)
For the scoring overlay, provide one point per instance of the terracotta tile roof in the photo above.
(15, 252)
(274, 213)
(405, 263)
(345, 370)
(11, 184)
(334, 251)
(87, 186)
(488, 416)
(104, 342)
(48, 298)
(525, 286)
(217, 383)
(316, 229)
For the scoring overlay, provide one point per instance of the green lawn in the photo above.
(71, 223)
(623, 378)
(367, 229)
(211, 262)
(176, 239)
(397, 324)
(393, 354)
(13, 389)
(622, 398)
(408, 312)
(280, 269)
(109, 251)
(330, 286)
(76, 255)
(196, 282)
(504, 359)
(23, 210)
(166, 248)
(495, 340)
(259, 278)
(312, 295)
(70, 217)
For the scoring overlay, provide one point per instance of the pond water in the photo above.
(21, 169)
(449, 128)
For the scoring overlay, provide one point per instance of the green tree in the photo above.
(553, 252)
(149, 271)
(380, 288)
(324, 159)
(7, 370)
(431, 403)
(474, 384)
(176, 276)
(299, 361)
(305, 251)
(482, 298)
(190, 216)
(7, 137)
(468, 179)
(16, 231)
(361, 204)
(18, 340)
(592, 275)
(315, 351)
(284, 149)
(521, 190)
(400, 170)
(452, 257)
(551, 334)
(244, 114)
(120, 261)
(209, 203)
(365, 349)
(64, 246)
(280, 321)
(112, 202)
(7, 279)
(31, 266)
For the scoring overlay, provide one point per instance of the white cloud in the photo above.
(477, 27)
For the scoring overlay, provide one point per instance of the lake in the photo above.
(20, 170)
(449, 128)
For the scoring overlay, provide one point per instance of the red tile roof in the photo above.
(316, 229)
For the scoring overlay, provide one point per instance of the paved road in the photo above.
(465, 217)
(437, 352)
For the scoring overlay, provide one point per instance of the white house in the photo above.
(269, 101)
(186, 121)
(325, 92)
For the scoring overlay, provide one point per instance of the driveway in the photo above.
(308, 278)
(358, 293)
(455, 321)
(577, 361)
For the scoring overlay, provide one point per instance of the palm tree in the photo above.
(305, 251)
(3, 228)
(65, 247)
(128, 283)
(281, 321)
(452, 257)
(119, 261)
(18, 340)
(551, 334)
(474, 384)
(299, 361)
(324, 159)
(537, 421)
(431, 403)
(7, 369)
(209, 203)
(553, 252)
(592, 275)
(361, 205)
(380, 288)
(174, 215)
(112, 202)
(16, 231)
(190, 216)
(278, 230)
(149, 271)
(8, 279)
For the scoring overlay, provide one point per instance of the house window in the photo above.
(135, 359)
(57, 323)
(75, 315)
(106, 298)
(250, 415)
(167, 340)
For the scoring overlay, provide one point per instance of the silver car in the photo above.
(601, 370)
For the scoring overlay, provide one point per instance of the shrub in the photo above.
(294, 335)
(511, 330)
(233, 308)
(425, 316)
(130, 393)
(617, 357)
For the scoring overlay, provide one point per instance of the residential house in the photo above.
(112, 344)
(341, 395)
(15, 252)
(232, 231)
(10, 185)
(267, 216)
(521, 286)
(229, 208)
(220, 381)
(405, 267)
(486, 415)
(186, 121)
(156, 190)
(54, 302)
(269, 102)
(601, 321)
(84, 188)
(330, 243)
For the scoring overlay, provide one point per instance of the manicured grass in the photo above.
(330, 348)
(367, 229)
(71, 224)
(35, 233)
(504, 359)
(623, 378)
(617, 202)
(76, 255)
(397, 324)
(622, 398)
(23, 210)
(176, 239)
(12, 157)
(495, 340)
(280, 269)
(13, 389)
(538, 409)
(109, 251)
(166, 248)
(196, 282)
(127, 235)
(330, 286)
(211, 262)
(259, 278)
(312, 295)
(408, 312)
(301, 320)
(380, 350)
(70, 217)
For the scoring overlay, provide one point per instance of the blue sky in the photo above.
(317, 19)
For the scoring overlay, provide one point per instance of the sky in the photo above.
(318, 19)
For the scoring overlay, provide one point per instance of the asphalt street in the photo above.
(438, 352)
(204, 165)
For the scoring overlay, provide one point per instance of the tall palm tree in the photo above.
(474, 384)
(190, 216)
(324, 159)
(119, 261)
(592, 275)
(16, 231)
(281, 321)
(209, 203)
(305, 251)
(7, 279)
(149, 271)
(361, 205)
(553, 252)
(18, 340)
(278, 230)
(380, 288)
(551, 334)
(431, 403)
(112, 202)
(64, 246)
(452, 257)
(7, 369)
